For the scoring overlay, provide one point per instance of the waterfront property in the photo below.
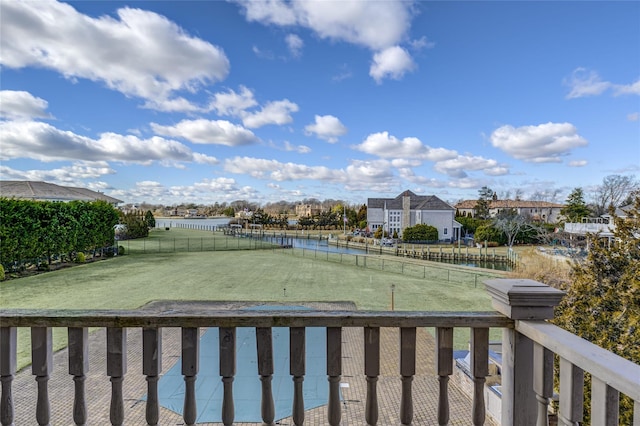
(541, 211)
(529, 343)
(409, 209)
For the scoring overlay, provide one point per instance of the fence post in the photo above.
(520, 299)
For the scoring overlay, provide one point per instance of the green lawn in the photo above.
(130, 281)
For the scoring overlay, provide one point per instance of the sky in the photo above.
(215, 101)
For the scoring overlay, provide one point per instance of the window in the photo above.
(445, 231)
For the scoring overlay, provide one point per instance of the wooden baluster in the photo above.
(571, 393)
(42, 364)
(264, 343)
(190, 364)
(297, 370)
(542, 381)
(372, 371)
(444, 368)
(334, 371)
(151, 367)
(605, 403)
(116, 369)
(227, 343)
(479, 370)
(8, 357)
(407, 371)
(78, 367)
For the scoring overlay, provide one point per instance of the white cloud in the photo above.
(458, 167)
(138, 53)
(178, 104)
(343, 73)
(218, 132)
(69, 175)
(240, 105)
(294, 44)
(278, 171)
(544, 143)
(376, 25)
(359, 175)
(300, 149)
(233, 104)
(219, 184)
(41, 141)
(375, 176)
(634, 116)
(326, 127)
(392, 62)
(387, 146)
(578, 163)
(276, 112)
(422, 43)
(21, 105)
(585, 83)
(223, 189)
(629, 89)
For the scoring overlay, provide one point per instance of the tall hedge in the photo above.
(35, 230)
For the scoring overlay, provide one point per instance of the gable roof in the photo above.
(416, 202)
(43, 191)
(503, 204)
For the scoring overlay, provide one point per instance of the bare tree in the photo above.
(513, 224)
(550, 195)
(614, 190)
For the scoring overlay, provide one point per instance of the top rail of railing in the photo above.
(616, 371)
(182, 315)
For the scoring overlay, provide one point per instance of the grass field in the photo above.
(130, 281)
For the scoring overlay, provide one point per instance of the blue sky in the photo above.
(211, 101)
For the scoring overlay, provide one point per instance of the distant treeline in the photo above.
(39, 231)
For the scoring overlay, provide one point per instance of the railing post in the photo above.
(264, 343)
(520, 299)
(8, 357)
(152, 367)
(41, 367)
(227, 344)
(78, 367)
(334, 371)
(116, 369)
(372, 371)
(297, 357)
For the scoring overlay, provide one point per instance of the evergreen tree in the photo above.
(149, 219)
(602, 304)
(575, 208)
(482, 206)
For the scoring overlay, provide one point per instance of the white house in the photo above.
(409, 209)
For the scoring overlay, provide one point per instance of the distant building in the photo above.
(43, 191)
(542, 211)
(604, 225)
(408, 209)
(308, 210)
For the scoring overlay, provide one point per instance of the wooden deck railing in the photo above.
(527, 371)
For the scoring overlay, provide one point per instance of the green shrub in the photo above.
(1, 273)
(80, 257)
(120, 250)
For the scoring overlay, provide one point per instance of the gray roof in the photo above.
(44, 191)
(416, 202)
